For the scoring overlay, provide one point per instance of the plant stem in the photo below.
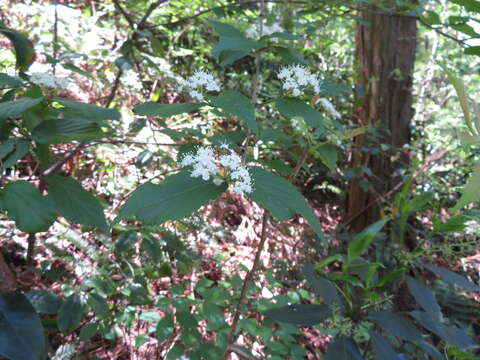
(243, 294)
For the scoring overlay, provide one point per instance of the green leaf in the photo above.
(224, 29)
(21, 331)
(462, 97)
(17, 107)
(281, 198)
(154, 109)
(322, 287)
(331, 88)
(328, 155)
(388, 277)
(21, 147)
(98, 304)
(424, 297)
(451, 334)
(66, 130)
(44, 302)
(289, 56)
(164, 329)
(383, 350)
(236, 104)
(215, 316)
(362, 241)
(88, 331)
(471, 192)
(291, 108)
(75, 203)
(79, 110)
(396, 325)
(10, 81)
(76, 69)
(31, 211)
(453, 278)
(235, 47)
(300, 314)
(175, 198)
(125, 241)
(470, 5)
(343, 348)
(70, 314)
(24, 51)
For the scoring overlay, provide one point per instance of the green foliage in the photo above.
(281, 198)
(75, 203)
(21, 331)
(24, 203)
(175, 198)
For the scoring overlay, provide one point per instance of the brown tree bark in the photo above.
(385, 53)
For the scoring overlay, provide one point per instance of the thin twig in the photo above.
(150, 9)
(125, 14)
(436, 29)
(30, 248)
(246, 282)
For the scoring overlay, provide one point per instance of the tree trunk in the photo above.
(385, 55)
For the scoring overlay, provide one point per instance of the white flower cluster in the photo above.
(50, 81)
(206, 163)
(328, 106)
(295, 77)
(254, 32)
(200, 80)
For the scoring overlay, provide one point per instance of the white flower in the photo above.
(206, 163)
(297, 77)
(197, 82)
(50, 81)
(328, 106)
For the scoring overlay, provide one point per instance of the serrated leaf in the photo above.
(450, 334)
(44, 302)
(281, 198)
(383, 350)
(70, 314)
(425, 297)
(21, 332)
(10, 81)
(17, 107)
(362, 241)
(291, 108)
(154, 109)
(175, 198)
(67, 130)
(75, 203)
(31, 211)
(328, 154)
(236, 104)
(300, 314)
(453, 278)
(396, 325)
(471, 192)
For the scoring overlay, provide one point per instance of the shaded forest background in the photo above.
(115, 252)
